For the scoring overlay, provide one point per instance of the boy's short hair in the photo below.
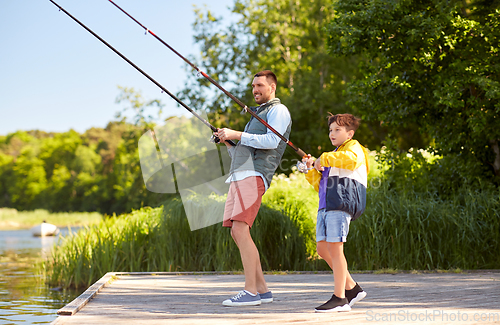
(349, 121)
(270, 76)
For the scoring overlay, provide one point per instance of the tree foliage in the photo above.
(425, 71)
(431, 63)
(99, 170)
(95, 171)
(287, 37)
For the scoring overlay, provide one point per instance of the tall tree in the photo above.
(432, 63)
(288, 37)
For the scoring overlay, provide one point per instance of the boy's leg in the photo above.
(340, 272)
(353, 292)
(254, 277)
(338, 302)
(330, 244)
(346, 292)
(322, 249)
(349, 281)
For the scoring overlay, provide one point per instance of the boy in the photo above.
(340, 177)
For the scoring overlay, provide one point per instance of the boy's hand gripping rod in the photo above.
(215, 83)
(213, 128)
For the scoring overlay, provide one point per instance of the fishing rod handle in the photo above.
(301, 153)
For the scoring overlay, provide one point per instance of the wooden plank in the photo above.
(425, 298)
(83, 299)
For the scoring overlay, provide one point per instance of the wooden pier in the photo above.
(400, 298)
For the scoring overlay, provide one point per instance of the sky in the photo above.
(55, 76)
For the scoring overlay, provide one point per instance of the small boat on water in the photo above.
(44, 229)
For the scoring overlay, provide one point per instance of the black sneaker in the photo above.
(333, 305)
(355, 295)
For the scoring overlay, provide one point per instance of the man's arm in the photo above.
(225, 134)
(278, 117)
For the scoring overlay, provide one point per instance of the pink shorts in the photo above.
(243, 201)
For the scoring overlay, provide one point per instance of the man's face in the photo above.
(339, 134)
(262, 90)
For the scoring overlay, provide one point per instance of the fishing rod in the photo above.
(213, 128)
(299, 151)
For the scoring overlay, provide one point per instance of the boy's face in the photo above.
(339, 134)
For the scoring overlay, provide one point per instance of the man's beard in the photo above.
(262, 100)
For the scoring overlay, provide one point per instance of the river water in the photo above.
(24, 298)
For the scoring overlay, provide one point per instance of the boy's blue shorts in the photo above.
(332, 226)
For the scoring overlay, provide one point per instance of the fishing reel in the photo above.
(214, 139)
(302, 167)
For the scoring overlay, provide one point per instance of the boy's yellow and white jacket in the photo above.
(347, 178)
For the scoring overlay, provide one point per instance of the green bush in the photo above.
(426, 212)
(421, 231)
(424, 171)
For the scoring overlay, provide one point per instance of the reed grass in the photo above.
(398, 231)
(160, 240)
(115, 244)
(421, 231)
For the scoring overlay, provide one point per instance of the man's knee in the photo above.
(239, 230)
(235, 234)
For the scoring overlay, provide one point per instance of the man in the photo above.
(253, 163)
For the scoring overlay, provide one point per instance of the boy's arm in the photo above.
(341, 159)
(314, 177)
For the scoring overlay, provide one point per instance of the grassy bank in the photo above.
(399, 231)
(11, 219)
(160, 240)
(421, 231)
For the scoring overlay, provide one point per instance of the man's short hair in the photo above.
(270, 76)
(349, 121)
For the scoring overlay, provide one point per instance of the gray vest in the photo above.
(264, 161)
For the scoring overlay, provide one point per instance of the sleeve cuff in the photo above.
(245, 138)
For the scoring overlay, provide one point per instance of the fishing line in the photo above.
(299, 151)
(213, 128)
